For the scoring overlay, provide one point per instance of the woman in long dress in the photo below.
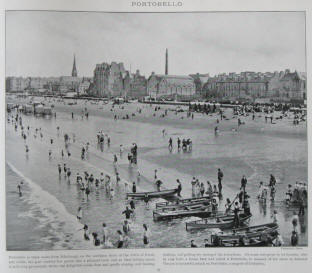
(146, 235)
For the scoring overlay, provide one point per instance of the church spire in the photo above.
(166, 68)
(74, 71)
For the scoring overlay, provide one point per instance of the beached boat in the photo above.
(253, 242)
(246, 236)
(183, 202)
(221, 222)
(199, 210)
(152, 194)
(268, 228)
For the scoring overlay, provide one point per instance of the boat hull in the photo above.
(154, 194)
(182, 203)
(157, 215)
(225, 222)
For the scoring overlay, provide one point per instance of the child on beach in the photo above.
(112, 194)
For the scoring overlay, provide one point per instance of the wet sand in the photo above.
(256, 149)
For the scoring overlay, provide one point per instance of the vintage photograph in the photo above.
(155, 130)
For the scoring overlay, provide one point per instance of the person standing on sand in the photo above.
(112, 194)
(86, 234)
(170, 144)
(236, 215)
(102, 179)
(155, 175)
(209, 189)
(146, 199)
(138, 175)
(193, 183)
(79, 213)
(127, 212)
(132, 205)
(105, 233)
(96, 241)
(120, 240)
(78, 179)
(87, 191)
(126, 227)
(19, 188)
(202, 189)
(220, 176)
(228, 206)
(158, 184)
(108, 184)
(179, 144)
(243, 183)
(179, 188)
(120, 150)
(68, 173)
(117, 177)
(146, 235)
(274, 216)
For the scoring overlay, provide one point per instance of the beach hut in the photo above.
(47, 110)
(39, 109)
(10, 106)
(27, 108)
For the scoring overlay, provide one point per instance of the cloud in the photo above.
(43, 43)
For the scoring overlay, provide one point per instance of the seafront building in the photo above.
(177, 87)
(113, 80)
(16, 84)
(135, 85)
(48, 85)
(278, 86)
(108, 80)
(170, 86)
(200, 80)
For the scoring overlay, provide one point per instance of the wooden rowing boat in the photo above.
(247, 236)
(251, 231)
(199, 210)
(152, 194)
(221, 222)
(236, 243)
(180, 203)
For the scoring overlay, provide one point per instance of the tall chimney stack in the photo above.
(166, 68)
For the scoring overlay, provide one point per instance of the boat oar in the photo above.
(233, 201)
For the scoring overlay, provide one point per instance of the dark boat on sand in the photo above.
(260, 235)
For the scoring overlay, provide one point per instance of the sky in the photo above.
(42, 43)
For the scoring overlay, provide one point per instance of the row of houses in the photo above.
(112, 80)
(278, 86)
(53, 85)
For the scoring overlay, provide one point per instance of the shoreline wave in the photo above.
(67, 231)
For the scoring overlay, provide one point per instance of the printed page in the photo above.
(155, 136)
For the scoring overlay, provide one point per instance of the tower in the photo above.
(166, 68)
(74, 71)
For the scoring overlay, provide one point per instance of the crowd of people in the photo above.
(87, 182)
